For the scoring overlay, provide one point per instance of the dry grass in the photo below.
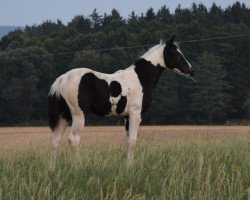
(171, 162)
(22, 138)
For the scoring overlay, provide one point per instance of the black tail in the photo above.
(57, 107)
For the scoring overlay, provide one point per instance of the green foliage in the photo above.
(211, 101)
(178, 169)
(24, 84)
(31, 59)
(81, 24)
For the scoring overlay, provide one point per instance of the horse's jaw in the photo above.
(177, 71)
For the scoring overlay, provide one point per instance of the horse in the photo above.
(126, 93)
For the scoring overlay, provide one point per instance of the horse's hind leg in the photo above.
(76, 130)
(56, 138)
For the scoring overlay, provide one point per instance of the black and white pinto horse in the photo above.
(127, 93)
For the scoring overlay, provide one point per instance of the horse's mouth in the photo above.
(185, 74)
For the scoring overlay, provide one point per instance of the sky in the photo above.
(34, 12)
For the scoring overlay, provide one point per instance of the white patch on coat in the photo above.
(155, 55)
(114, 102)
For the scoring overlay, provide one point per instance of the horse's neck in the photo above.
(148, 74)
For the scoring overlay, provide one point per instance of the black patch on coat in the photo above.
(148, 75)
(57, 107)
(121, 105)
(126, 123)
(115, 89)
(93, 95)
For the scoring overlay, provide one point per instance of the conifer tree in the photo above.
(211, 100)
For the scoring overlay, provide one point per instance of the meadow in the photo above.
(172, 162)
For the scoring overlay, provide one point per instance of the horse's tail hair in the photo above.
(55, 87)
(57, 106)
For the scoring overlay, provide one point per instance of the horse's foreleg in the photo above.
(126, 123)
(134, 122)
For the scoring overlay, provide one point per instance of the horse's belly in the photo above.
(117, 111)
(116, 106)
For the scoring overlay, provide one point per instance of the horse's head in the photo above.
(175, 60)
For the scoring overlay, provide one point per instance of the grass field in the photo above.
(172, 162)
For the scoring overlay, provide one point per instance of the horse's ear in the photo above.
(172, 39)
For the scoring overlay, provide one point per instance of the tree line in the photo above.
(32, 58)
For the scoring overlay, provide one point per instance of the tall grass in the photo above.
(178, 169)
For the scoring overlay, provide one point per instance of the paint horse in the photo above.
(127, 93)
